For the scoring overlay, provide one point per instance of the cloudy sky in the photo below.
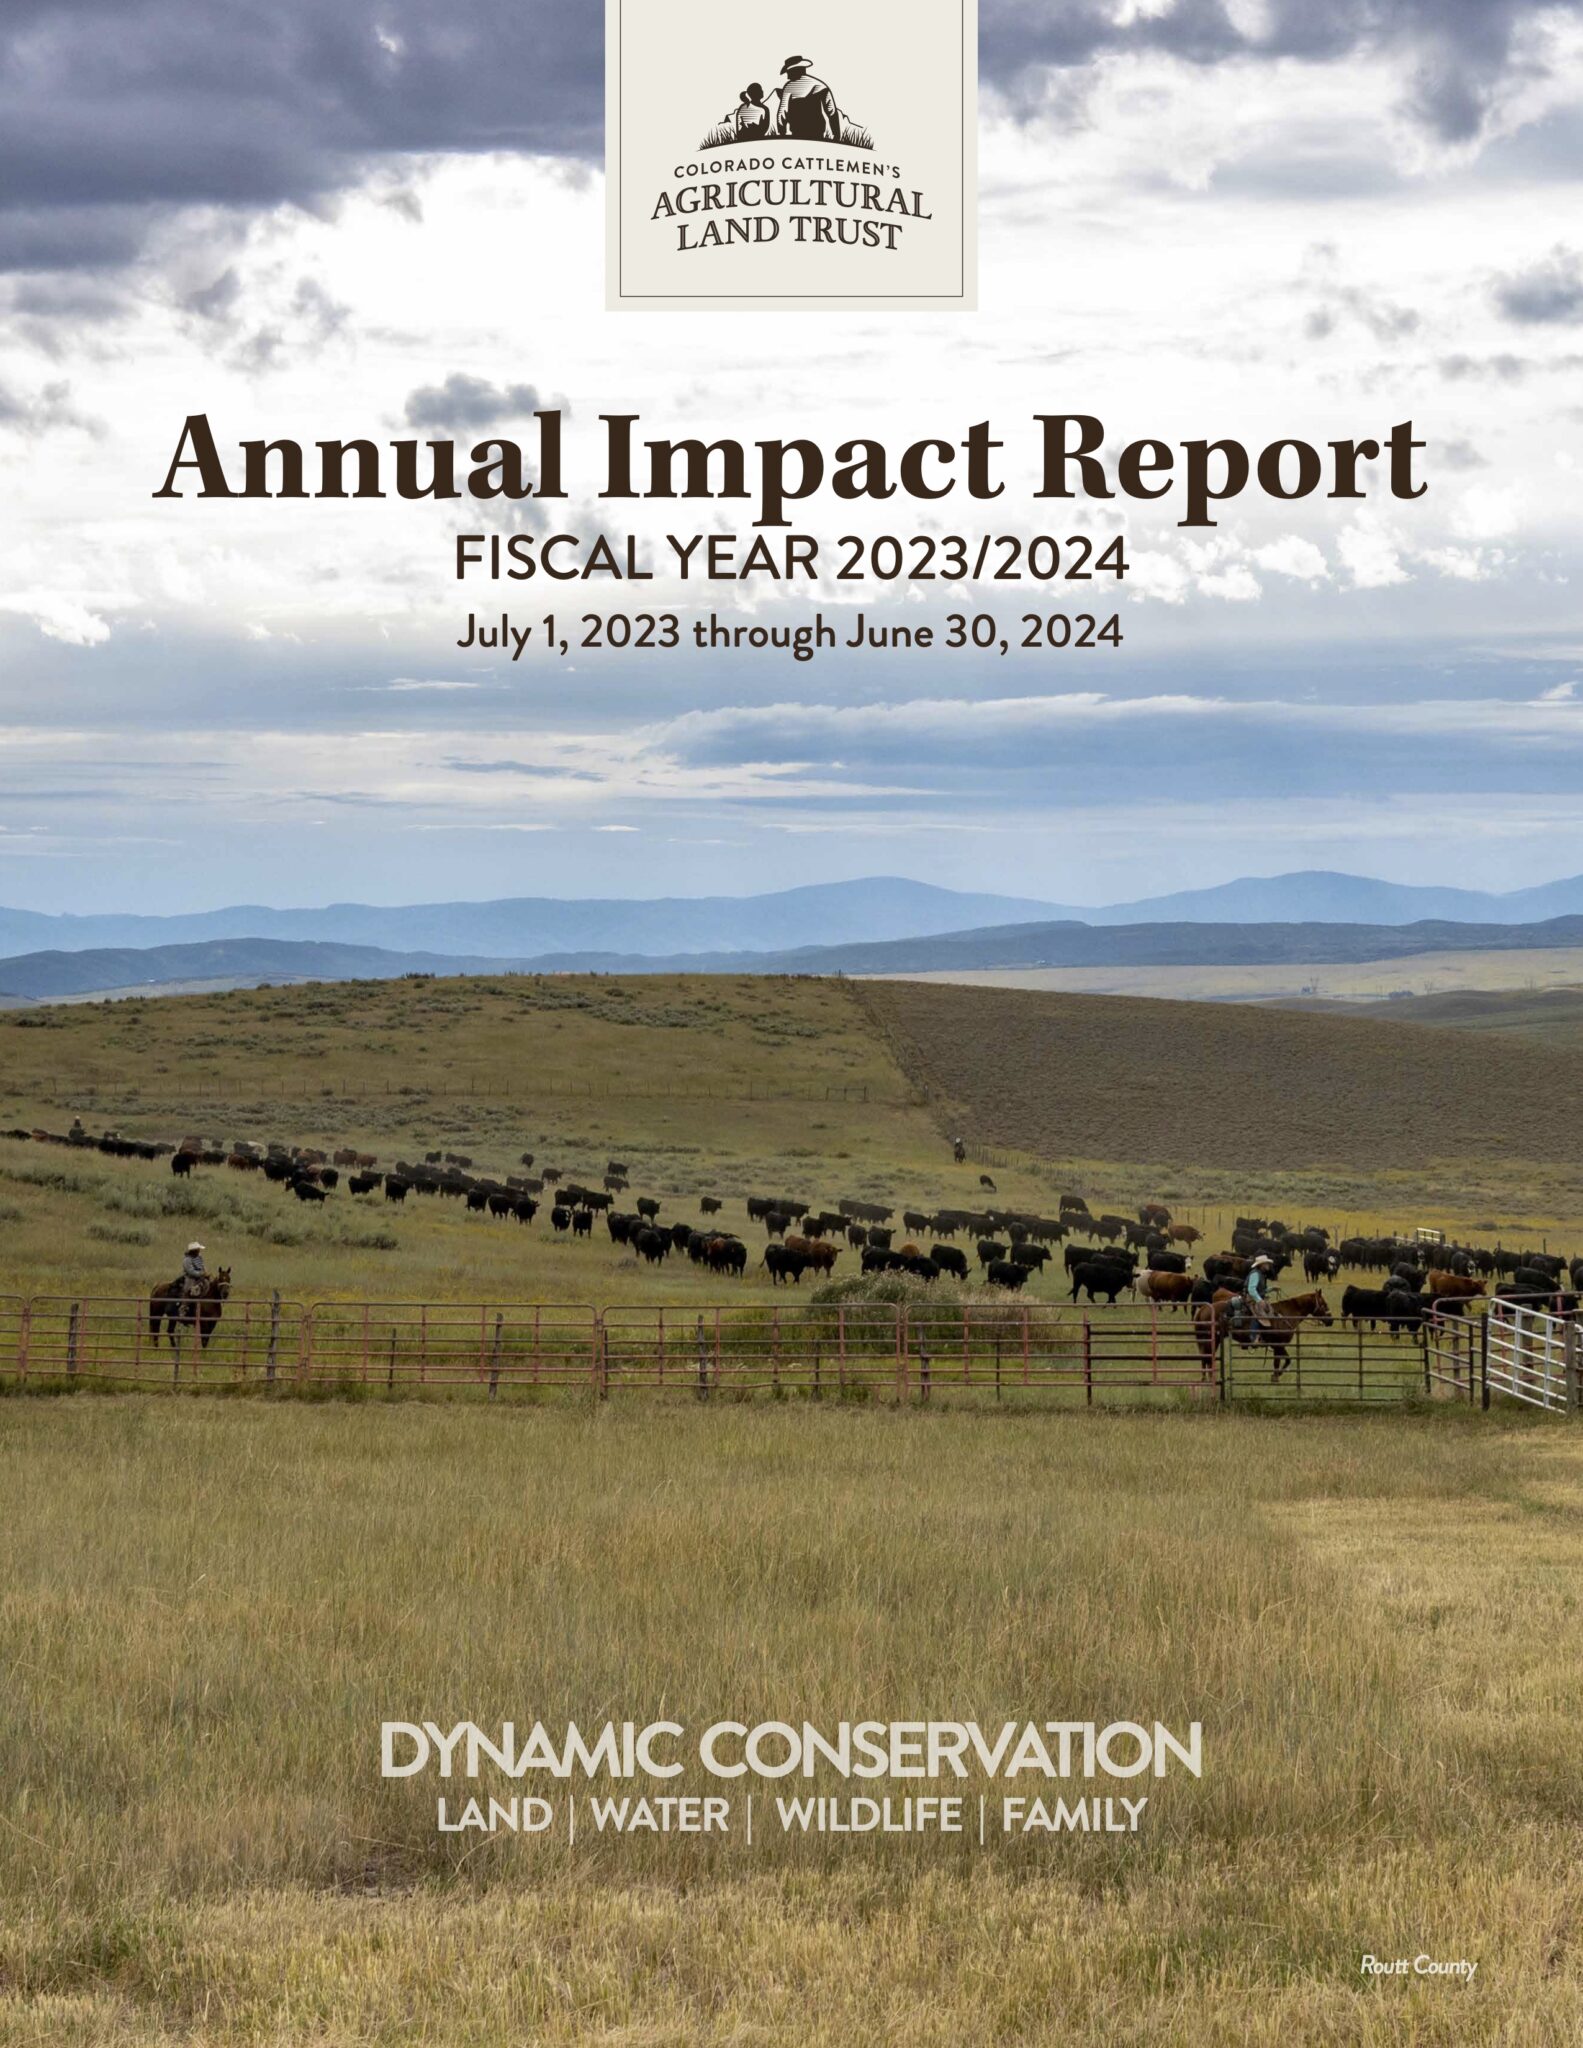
(325, 218)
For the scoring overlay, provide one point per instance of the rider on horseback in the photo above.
(1255, 1292)
(194, 1274)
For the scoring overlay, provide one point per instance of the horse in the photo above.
(170, 1306)
(1212, 1325)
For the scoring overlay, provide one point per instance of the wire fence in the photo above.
(872, 1351)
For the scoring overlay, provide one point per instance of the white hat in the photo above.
(1264, 1259)
(195, 1246)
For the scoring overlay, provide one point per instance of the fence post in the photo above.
(1222, 1355)
(1484, 1363)
(23, 1335)
(273, 1352)
(1569, 1343)
(390, 1362)
(703, 1361)
(71, 1337)
(494, 1353)
(923, 1365)
(1088, 1360)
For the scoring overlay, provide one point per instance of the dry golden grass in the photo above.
(1423, 973)
(207, 1611)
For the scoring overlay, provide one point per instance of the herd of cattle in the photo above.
(1149, 1257)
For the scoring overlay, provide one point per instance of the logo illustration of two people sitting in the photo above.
(803, 109)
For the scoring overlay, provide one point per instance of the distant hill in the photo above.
(43, 976)
(868, 910)
(1068, 944)
(1315, 895)
(39, 977)
(834, 913)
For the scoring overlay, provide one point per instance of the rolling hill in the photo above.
(40, 977)
(58, 975)
(865, 910)
(1253, 1090)
(879, 907)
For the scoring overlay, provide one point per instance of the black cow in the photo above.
(1398, 1308)
(561, 1218)
(1005, 1273)
(1097, 1277)
(785, 1264)
(948, 1259)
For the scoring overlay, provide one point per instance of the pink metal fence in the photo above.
(836, 1348)
(819, 1350)
(113, 1339)
(493, 1346)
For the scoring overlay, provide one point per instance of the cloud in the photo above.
(112, 112)
(404, 685)
(1458, 53)
(464, 401)
(43, 412)
(1385, 321)
(58, 617)
(1370, 557)
(1548, 295)
(1291, 555)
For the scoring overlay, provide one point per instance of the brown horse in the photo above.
(170, 1306)
(1213, 1322)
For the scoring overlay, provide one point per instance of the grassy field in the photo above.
(207, 1612)
(207, 1607)
(734, 1086)
(1262, 1095)
(1551, 1015)
(1421, 973)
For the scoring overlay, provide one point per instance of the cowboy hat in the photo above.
(792, 61)
(1264, 1259)
(195, 1246)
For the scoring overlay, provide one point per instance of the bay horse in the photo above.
(168, 1305)
(1212, 1324)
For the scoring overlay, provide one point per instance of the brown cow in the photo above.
(1169, 1287)
(1184, 1233)
(821, 1257)
(1443, 1286)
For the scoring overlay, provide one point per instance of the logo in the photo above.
(845, 183)
(804, 108)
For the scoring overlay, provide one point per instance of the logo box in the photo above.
(821, 156)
